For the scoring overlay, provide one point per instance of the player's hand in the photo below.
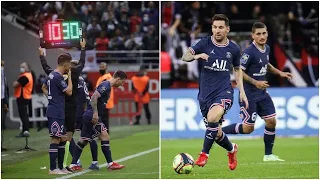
(41, 51)
(262, 84)
(244, 99)
(83, 43)
(95, 118)
(286, 75)
(5, 108)
(201, 56)
(69, 73)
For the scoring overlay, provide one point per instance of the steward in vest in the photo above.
(141, 90)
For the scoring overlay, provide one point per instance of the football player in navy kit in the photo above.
(93, 127)
(216, 55)
(55, 89)
(255, 64)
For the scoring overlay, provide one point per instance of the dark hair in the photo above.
(220, 17)
(142, 68)
(120, 74)
(258, 25)
(64, 58)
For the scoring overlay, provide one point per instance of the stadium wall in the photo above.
(297, 113)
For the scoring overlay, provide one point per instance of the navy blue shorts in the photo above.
(224, 101)
(78, 125)
(263, 107)
(90, 131)
(56, 127)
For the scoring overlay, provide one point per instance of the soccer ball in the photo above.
(183, 163)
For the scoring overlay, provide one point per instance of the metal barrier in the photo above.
(125, 96)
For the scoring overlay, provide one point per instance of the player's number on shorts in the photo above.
(49, 91)
(254, 116)
(61, 128)
(205, 121)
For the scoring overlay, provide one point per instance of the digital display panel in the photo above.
(60, 34)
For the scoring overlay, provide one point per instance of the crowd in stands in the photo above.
(107, 25)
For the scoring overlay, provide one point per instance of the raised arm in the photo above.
(82, 61)
(69, 89)
(47, 69)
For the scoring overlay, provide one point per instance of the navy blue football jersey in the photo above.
(56, 88)
(214, 74)
(103, 90)
(254, 62)
(82, 96)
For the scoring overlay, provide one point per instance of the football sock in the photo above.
(53, 154)
(269, 136)
(105, 147)
(94, 150)
(77, 152)
(224, 142)
(211, 133)
(61, 152)
(233, 129)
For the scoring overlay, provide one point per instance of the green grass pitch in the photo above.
(125, 141)
(301, 157)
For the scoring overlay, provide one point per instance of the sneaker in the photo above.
(271, 157)
(75, 167)
(65, 170)
(68, 168)
(56, 171)
(202, 159)
(115, 166)
(94, 166)
(26, 134)
(233, 157)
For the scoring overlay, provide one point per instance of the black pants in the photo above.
(105, 119)
(3, 120)
(3, 115)
(23, 114)
(147, 111)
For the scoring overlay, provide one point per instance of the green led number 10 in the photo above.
(70, 30)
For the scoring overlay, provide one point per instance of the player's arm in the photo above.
(239, 79)
(94, 104)
(239, 76)
(47, 69)
(82, 61)
(276, 71)
(44, 89)
(195, 51)
(69, 88)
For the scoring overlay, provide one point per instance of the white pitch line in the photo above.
(146, 173)
(105, 164)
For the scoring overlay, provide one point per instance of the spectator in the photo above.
(149, 39)
(4, 103)
(102, 44)
(93, 29)
(135, 22)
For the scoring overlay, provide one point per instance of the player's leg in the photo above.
(267, 112)
(55, 134)
(85, 136)
(105, 146)
(214, 114)
(232, 148)
(138, 116)
(248, 117)
(94, 154)
(147, 110)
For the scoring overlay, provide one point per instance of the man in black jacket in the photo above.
(70, 101)
(4, 102)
